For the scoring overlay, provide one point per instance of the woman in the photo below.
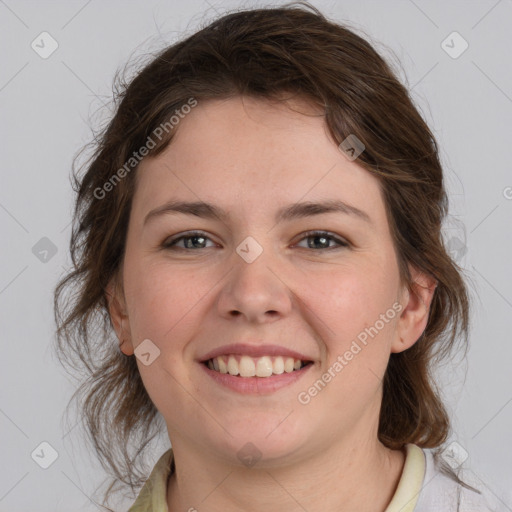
(261, 227)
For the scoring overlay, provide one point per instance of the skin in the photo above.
(252, 157)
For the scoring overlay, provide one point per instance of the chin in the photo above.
(268, 446)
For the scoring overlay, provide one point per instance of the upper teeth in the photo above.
(246, 366)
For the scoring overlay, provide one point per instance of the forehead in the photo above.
(245, 153)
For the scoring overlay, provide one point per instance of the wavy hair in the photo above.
(263, 53)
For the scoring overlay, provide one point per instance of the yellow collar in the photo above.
(409, 486)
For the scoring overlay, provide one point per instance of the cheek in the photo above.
(163, 302)
(354, 313)
(164, 306)
(357, 338)
(349, 301)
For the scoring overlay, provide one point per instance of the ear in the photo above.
(416, 303)
(119, 316)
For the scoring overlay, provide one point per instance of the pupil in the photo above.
(319, 237)
(192, 240)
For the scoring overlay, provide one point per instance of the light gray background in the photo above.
(46, 108)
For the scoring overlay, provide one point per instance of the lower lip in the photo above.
(256, 385)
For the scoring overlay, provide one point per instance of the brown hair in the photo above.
(261, 53)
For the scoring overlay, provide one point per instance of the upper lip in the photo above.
(254, 351)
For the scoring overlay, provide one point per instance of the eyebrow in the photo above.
(287, 213)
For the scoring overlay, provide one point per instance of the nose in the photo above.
(255, 291)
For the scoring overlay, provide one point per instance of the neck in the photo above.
(352, 475)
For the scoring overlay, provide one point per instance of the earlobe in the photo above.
(416, 307)
(119, 316)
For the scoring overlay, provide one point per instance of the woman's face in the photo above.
(254, 277)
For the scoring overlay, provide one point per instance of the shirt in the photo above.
(422, 487)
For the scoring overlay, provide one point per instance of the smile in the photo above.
(247, 366)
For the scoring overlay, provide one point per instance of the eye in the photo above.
(323, 238)
(197, 240)
(192, 240)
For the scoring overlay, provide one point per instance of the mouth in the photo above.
(245, 366)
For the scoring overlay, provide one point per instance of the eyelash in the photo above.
(171, 244)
